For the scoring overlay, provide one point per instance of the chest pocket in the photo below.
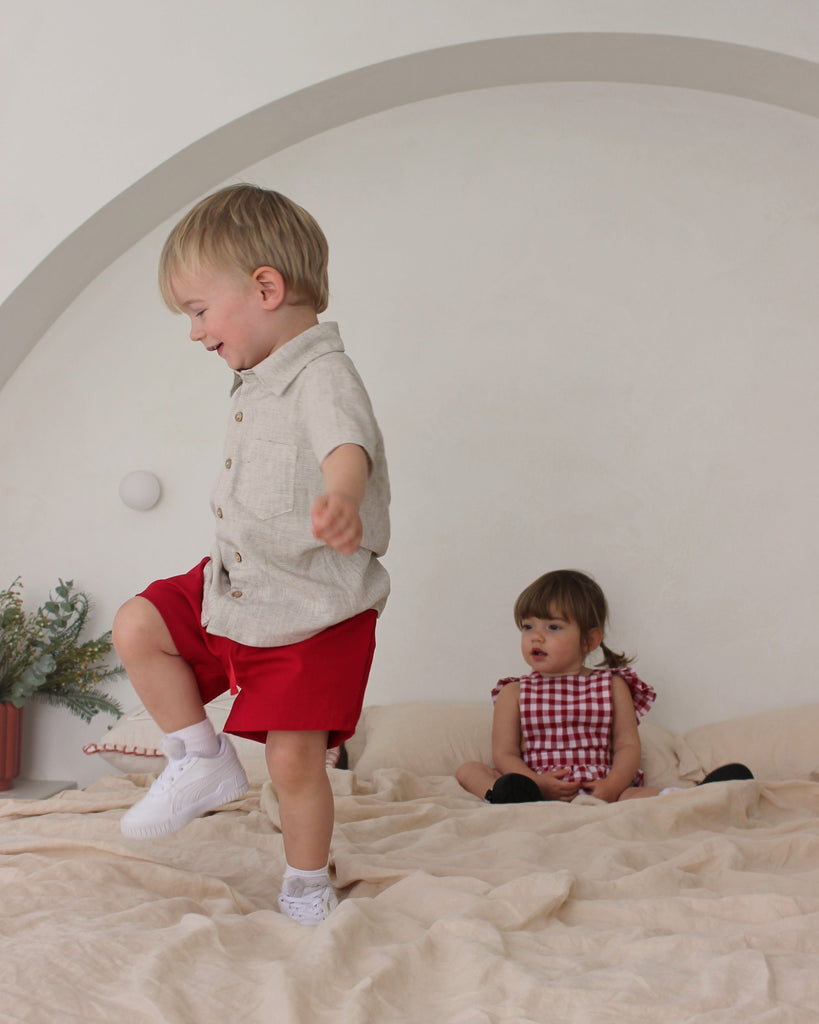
(265, 480)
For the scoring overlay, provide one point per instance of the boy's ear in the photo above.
(269, 286)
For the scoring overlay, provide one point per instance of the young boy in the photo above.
(283, 610)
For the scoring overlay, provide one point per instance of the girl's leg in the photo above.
(635, 792)
(477, 778)
(165, 683)
(297, 765)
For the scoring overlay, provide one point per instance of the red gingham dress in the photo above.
(566, 721)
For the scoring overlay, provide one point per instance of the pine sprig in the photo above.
(41, 654)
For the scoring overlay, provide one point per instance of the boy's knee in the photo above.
(134, 626)
(292, 758)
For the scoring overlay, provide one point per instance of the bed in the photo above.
(700, 905)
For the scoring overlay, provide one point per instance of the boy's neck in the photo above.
(291, 322)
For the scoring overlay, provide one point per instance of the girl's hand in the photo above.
(603, 789)
(336, 521)
(553, 786)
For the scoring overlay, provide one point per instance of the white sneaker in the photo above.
(311, 907)
(190, 786)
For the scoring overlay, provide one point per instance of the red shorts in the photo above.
(316, 684)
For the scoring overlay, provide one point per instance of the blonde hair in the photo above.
(241, 228)
(574, 596)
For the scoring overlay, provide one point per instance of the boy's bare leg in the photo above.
(297, 762)
(165, 683)
(476, 777)
(197, 779)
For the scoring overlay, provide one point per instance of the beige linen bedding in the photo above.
(702, 905)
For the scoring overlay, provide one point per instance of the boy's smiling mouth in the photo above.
(216, 347)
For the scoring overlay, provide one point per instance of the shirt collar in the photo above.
(281, 367)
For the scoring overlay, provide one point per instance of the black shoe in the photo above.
(513, 789)
(728, 773)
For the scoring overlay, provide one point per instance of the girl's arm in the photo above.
(335, 513)
(625, 742)
(506, 739)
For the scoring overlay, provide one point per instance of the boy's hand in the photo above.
(553, 787)
(336, 521)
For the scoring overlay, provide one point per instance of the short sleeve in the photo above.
(642, 695)
(496, 689)
(337, 407)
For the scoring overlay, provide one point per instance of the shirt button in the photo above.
(218, 513)
(235, 593)
(239, 417)
(228, 463)
(238, 557)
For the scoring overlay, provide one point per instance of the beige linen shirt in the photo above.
(269, 581)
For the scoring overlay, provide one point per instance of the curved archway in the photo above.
(706, 65)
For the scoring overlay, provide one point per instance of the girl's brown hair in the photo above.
(241, 228)
(571, 595)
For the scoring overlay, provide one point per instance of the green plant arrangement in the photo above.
(42, 656)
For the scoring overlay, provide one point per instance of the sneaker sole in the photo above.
(225, 793)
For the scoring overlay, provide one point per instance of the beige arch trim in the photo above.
(707, 65)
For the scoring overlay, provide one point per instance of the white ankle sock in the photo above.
(200, 739)
(297, 881)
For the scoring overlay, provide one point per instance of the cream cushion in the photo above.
(775, 745)
(435, 737)
(422, 737)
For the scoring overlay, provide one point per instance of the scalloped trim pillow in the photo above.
(132, 745)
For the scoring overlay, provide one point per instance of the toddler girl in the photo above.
(564, 728)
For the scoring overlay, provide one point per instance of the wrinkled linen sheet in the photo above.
(701, 905)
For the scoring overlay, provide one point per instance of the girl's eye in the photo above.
(201, 312)
(553, 627)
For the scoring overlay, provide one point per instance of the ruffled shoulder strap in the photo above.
(642, 695)
(496, 689)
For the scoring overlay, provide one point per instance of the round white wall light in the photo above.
(140, 490)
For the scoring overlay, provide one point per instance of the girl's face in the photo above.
(555, 646)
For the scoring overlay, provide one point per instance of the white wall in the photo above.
(586, 316)
(97, 94)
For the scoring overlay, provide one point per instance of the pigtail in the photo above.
(611, 659)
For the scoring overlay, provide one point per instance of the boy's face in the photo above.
(228, 316)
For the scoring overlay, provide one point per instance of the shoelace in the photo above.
(308, 905)
(174, 750)
(168, 776)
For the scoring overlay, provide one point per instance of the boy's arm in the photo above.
(335, 513)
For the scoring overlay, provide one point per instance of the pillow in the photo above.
(132, 745)
(434, 738)
(422, 737)
(659, 758)
(773, 744)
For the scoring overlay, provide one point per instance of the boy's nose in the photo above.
(197, 334)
